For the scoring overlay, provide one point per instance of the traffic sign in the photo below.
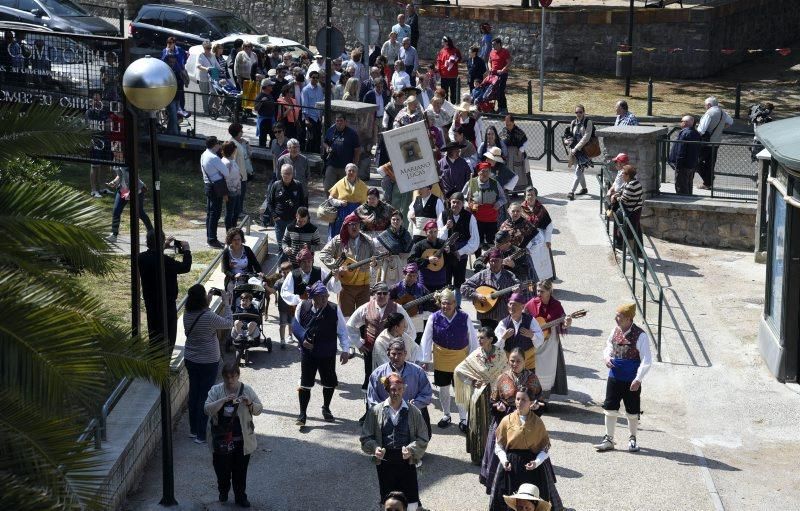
(368, 31)
(337, 42)
(545, 3)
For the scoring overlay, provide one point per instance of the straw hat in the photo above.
(464, 106)
(529, 492)
(495, 154)
(409, 100)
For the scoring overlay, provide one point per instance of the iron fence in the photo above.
(633, 259)
(735, 174)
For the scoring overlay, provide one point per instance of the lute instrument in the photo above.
(437, 252)
(492, 295)
(411, 304)
(547, 325)
(347, 265)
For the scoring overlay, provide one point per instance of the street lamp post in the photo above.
(150, 85)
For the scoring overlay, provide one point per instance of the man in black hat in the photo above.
(454, 170)
(458, 220)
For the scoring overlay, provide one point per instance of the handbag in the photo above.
(592, 147)
(124, 193)
(218, 188)
(327, 212)
(222, 434)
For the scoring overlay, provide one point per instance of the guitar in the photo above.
(434, 252)
(349, 266)
(493, 295)
(480, 261)
(546, 326)
(411, 304)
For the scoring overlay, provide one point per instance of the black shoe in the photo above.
(223, 497)
(463, 427)
(243, 502)
(327, 415)
(445, 422)
(216, 244)
(583, 191)
(301, 420)
(571, 196)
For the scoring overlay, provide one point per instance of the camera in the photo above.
(215, 291)
(177, 246)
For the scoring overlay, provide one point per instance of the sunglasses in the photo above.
(578, 111)
(382, 293)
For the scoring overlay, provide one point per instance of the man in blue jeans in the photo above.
(283, 198)
(213, 170)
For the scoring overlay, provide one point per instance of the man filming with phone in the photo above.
(148, 273)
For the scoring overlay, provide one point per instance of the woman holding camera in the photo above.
(201, 353)
(231, 406)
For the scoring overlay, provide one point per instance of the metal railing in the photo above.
(735, 171)
(640, 265)
(96, 427)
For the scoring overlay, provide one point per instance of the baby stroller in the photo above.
(244, 342)
(225, 99)
(485, 94)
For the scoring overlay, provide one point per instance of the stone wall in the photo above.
(698, 221)
(576, 40)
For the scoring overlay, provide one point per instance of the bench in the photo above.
(661, 3)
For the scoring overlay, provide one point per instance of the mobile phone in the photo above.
(215, 291)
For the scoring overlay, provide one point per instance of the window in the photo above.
(63, 8)
(776, 264)
(27, 5)
(198, 26)
(151, 17)
(232, 25)
(174, 20)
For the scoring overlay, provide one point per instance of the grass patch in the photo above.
(115, 289)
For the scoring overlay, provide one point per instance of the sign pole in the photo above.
(328, 67)
(541, 63)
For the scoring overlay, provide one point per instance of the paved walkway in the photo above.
(718, 432)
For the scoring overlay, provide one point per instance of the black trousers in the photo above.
(457, 272)
(313, 135)
(232, 468)
(684, 180)
(367, 369)
(708, 160)
(450, 86)
(486, 232)
(618, 390)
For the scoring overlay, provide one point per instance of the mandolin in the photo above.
(546, 326)
(411, 304)
(493, 295)
(348, 266)
(437, 252)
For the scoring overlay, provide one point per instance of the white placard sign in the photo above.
(411, 155)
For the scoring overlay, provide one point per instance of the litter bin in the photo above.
(624, 59)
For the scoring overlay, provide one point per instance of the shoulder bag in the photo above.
(592, 147)
(218, 188)
(327, 212)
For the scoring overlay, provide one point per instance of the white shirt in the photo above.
(642, 344)
(427, 338)
(416, 230)
(359, 318)
(287, 288)
(394, 415)
(341, 327)
(400, 79)
(472, 243)
(212, 167)
(715, 119)
(538, 335)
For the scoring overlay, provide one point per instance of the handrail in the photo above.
(96, 427)
(641, 269)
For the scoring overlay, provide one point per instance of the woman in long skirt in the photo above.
(517, 158)
(550, 366)
(503, 403)
(522, 449)
(347, 194)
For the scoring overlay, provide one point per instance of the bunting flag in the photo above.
(675, 50)
(649, 50)
(784, 51)
(728, 51)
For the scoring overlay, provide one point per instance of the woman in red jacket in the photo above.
(447, 65)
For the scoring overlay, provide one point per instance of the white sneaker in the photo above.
(606, 445)
(112, 238)
(632, 445)
(96, 195)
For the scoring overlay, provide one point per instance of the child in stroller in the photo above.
(225, 99)
(485, 94)
(249, 302)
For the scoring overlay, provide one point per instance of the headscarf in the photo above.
(305, 254)
(344, 234)
(517, 298)
(430, 224)
(410, 268)
(317, 288)
(495, 254)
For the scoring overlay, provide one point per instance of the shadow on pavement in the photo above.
(574, 296)
(588, 332)
(582, 372)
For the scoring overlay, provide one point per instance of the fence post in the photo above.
(530, 97)
(650, 97)
(121, 13)
(458, 89)
(660, 310)
(549, 145)
(738, 106)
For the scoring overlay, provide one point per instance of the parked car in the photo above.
(189, 25)
(58, 15)
(260, 43)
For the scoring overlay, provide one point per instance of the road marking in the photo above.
(710, 486)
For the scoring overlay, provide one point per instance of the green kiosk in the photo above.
(779, 328)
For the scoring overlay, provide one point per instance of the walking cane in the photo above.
(552, 262)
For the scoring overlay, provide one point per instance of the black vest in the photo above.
(297, 277)
(324, 337)
(395, 437)
(518, 341)
(461, 226)
(429, 211)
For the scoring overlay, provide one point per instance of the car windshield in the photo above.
(63, 8)
(233, 25)
(296, 51)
